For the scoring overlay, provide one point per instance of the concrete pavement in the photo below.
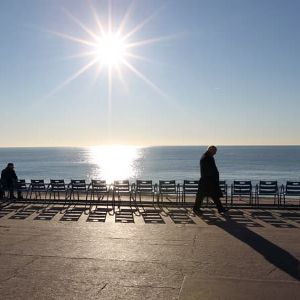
(245, 255)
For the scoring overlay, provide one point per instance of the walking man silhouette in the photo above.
(209, 181)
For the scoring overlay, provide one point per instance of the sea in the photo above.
(118, 162)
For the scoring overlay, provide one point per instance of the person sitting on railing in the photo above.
(9, 181)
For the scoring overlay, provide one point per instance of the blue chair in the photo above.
(291, 189)
(77, 186)
(56, 187)
(189, 188)
(241, 188)
(121, 188)
(265, 189)
(37, 187)
(96, 191)
(224, 189)
(168, 188)
(144, 188)
(22, 186)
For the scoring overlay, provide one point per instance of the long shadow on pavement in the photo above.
(277, 256)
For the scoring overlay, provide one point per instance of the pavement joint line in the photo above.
(103, 287)
(168, 265)
(218, 277)
(149, 286)
(18, 270)
(181, 286)
(38, 256)
(194, 243)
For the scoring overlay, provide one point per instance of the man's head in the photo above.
(10, 166)
(212, 150)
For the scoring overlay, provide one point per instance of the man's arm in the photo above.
(208, 168)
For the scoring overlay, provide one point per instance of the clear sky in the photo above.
(220, 72)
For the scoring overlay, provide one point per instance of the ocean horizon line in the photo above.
(153, 146)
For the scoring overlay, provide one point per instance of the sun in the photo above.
(110, 50)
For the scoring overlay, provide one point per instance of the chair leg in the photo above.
(85, 204)
(119, 201)
(112, 203)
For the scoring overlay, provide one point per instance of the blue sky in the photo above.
(228, 74)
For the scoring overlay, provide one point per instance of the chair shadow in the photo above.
(277, 256)
(269, 218)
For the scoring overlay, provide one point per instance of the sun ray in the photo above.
(150, 41)
(97, 19)
(86, 29)
(144, 78)
(121, 77)
(109, 72)
(142, 24)
(109, 77)
(80, 55)
(139, 57)
(109, 17)
(96, 76)
(73, 76)
(73, 38)
(124, 19)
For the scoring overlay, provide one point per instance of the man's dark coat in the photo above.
(8, 178)
(209, 181)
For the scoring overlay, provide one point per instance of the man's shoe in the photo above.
(224, 210)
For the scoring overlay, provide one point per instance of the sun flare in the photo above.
(111, 50)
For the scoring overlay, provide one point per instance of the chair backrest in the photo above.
(144, 186)
(292, 188)
(78, 185)
(38, 185)
(121, 186)
(223, 186)
(21, 185)
(190, 186)
(167, 186)
(57, 185)
(99, 185)
(267, 187)
(241, 187)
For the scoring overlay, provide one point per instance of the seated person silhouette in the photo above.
(9, 182)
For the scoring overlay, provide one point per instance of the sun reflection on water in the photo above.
(114, 162)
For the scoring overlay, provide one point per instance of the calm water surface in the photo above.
(177, 162)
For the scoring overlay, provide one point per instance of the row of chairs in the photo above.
(239, 188)
(98, 189)
(266, 189)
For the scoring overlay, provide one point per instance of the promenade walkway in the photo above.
(160, 254)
